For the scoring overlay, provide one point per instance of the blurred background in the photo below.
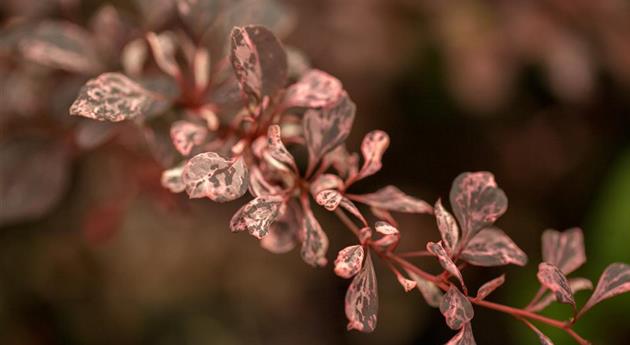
(94, 251)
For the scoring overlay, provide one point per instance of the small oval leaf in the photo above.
(314, 239)
(277, 150)
(329, 198)
(186, 135)
(349, 261)
(463, 337)
(315, 89)
(431, 293)
(438, 250)
(172, 179)
(552, 278)
(487, 288)
(564, 249)
(210, 175)
(373, 147)
(456, 308)
(257, 215)
(576, 284)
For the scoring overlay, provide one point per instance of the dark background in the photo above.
(535, 92)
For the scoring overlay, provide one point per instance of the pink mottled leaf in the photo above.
(438, 250)
(391, 235)
(112, 97)
(362, 299)
(210, 175)
(62, 45)
(384, 215)
(315, 89)
(392, 199)
(283, 233)
(431, 293)
(172, 179)
(314, 239)
(198, 14)
(489, 287)
(349, 261)
(327, 128)
(164, 47)
(407, 284)
(463, 337)
(277, 150)
(257, 215)
(544, 340)
(186, 135)
(133, 57)
(325, 181)
(447, 226)
(564, 249)
(576, 284)
(373, 146)
(552, 278)
(259, 61)
(349, 206)
(614, 281)
(329, 198)
(477, 202)
(456, 308)
(492, 247)
(346, 164)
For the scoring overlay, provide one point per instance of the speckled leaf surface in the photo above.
(393, 199)
(456, 308)
(349, 261)
(488, 287)
(257, 215)
(362, 299)
(315, 89)
(449, 231)
(373, 147)
(438, 250)
(564, 249)
(552, 278)
(186, 135)
(492, 247)
(212, 176)
(615, 280)
(314, 239)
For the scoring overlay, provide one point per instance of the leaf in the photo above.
(258, 184)
(210, 175)
(349, 261)
(277, 150)
(164, 47)
(492, 247)
(431, 293)
(172, 179)
(373, 146)
(325, 181)
(347, 205)
(564, 249)
(112, 97)
(407, 284)
(283, 233)
(552, 278)
(257, 215)
(614, 281)
(314, 239)
(327, 128)
(456, 308)
(463, 337)
(316, 89)
(544, 340)
(62, 45)
(438, 250)
(329, 198)
(185, 135)
(134, 56)
(447, 226)
(489, 287)
(199, 15)
(383, 215)
(362, 299)
(346, 164)
(392, 199)
(259, 61)
(477, 202)
(391, 235)
(576, 284)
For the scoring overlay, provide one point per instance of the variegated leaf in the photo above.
(384, 215)
(315, 89)
(564, 249)
(489, 287)
(327, 128)
(576, 284)
(329, 198)
(407, 284)
(373, 147)
(438, 250)
(349, 261)
(614, 281)
(552, 278)
(186, 135)
(258, 184)
(362, 299)
(447, 226)
(492, 247)
(259, 61)
(210, 175)
(456, 308)
(431, 293)
(283, 233)
(257, 215)
(314, 239)
(391, 235)
(345, 163)
(325, 181)
(112, 97)
(172, 179)
(477, 202)
(164, 47)
(347, 205)
(463, 337)
(277, 150)
(392, 199)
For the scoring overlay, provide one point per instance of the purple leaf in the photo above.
(463, 337)
(259, 61)
(362, 299)
(327, 128)
(329, 198)
(172, 179)
(391, 235)
(373, 146)
(614, 281)
(283, 233)
(349, 261)
(113, 97)
(257, 215)
(276, 148)
(445, 261)
(456, 308)
(325, 181)
(564, 249)
(477, 202)
(492, 247)
(392, 199)
(316, 89)
(210, 175)
(576, 284)
(489, 287)
(164, 47)
(447, 226)
(314, 239)
(552, 278)
(185, 135)
(431, 293)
